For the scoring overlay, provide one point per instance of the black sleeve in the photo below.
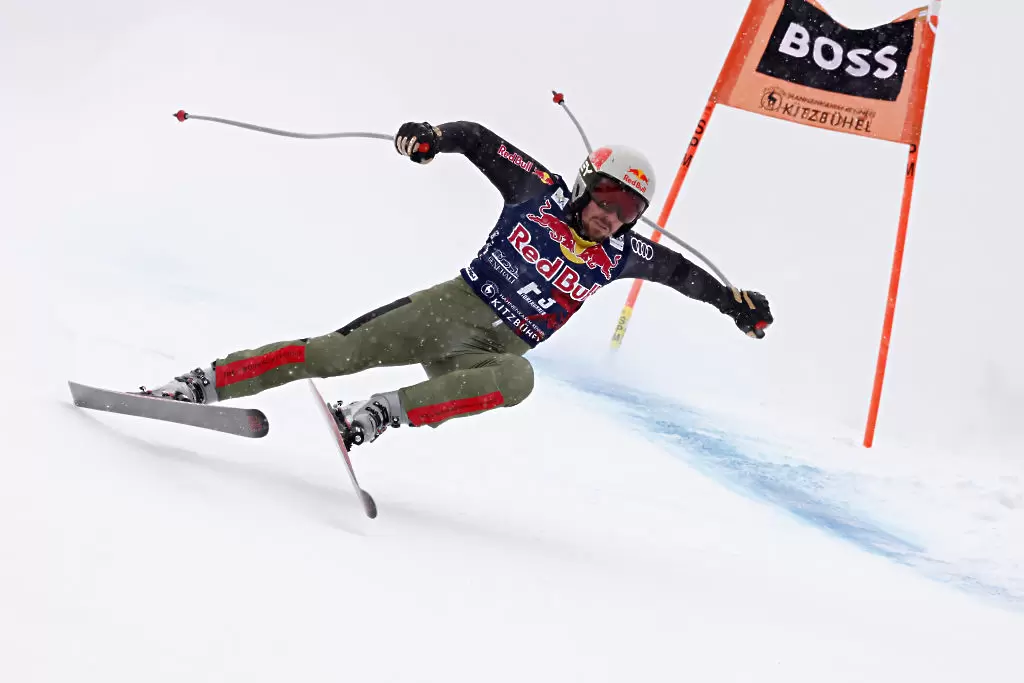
(516, 175)
(653, 262)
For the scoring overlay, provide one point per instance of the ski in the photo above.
(247, 422)
(369, 506)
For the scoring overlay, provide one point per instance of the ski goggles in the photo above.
(610, 195)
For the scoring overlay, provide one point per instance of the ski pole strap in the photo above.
(182, 115)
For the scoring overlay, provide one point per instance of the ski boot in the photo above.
(363, 421)
(192, 387)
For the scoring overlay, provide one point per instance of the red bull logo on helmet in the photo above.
(636, 179)
(638, 174)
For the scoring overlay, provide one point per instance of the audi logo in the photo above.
(644, 250)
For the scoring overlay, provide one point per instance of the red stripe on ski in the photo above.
(247, 368)
(449, 409)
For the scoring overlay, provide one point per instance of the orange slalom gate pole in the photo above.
(915, 122)
(737, 53)
(890, 306)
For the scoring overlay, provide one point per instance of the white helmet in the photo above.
(631, 173)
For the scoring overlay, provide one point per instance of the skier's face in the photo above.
(599, 224)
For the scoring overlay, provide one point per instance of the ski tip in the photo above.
(76, 392)
(368, 504)
(259, 425)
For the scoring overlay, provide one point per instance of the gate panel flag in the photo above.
(790, 60)
(804, 66)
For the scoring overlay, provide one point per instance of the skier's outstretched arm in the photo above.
(517, 175)
(655, 263)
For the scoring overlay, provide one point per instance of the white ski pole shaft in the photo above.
(714, 269)
(184, 116)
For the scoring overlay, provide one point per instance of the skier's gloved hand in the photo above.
(750, 311)
(418, 141)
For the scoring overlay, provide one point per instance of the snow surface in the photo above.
(696, 507)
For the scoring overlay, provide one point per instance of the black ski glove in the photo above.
(750, 311)
(418, 141)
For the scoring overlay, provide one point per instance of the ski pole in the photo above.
(183, 116)
(559, 99)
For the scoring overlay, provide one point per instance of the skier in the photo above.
(550, 250)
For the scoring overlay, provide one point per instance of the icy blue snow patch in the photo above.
(831, 501)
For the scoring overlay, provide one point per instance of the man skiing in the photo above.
(549, 251)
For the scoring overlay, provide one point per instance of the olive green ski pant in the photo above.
(473, 361)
